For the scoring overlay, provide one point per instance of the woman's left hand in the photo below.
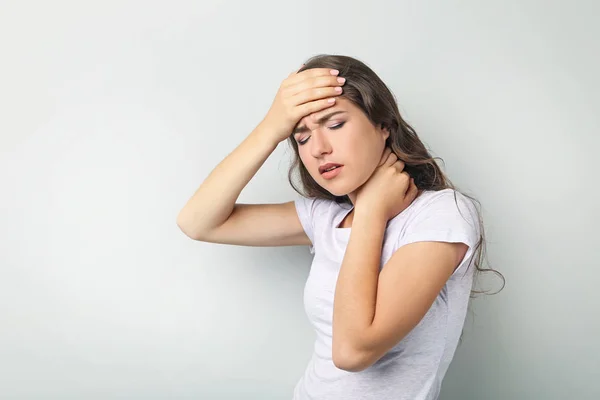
(390, 190)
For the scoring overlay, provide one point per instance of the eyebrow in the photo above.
(320, 121)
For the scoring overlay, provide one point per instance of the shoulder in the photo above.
(443, 215)
(317, 216)
(313, 206)
(441, 196)
(450, 201)
(318, 211)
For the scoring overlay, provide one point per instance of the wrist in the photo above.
(372, 213)
(272, 131)
(266, 135)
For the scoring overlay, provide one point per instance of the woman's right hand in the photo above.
(301, 94)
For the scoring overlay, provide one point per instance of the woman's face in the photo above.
(341, 134)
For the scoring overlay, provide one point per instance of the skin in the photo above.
(358, 145)
(373, 310)
(367, 318)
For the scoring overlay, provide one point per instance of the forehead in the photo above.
(341, 104)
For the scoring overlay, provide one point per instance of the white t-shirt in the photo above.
(415, 367)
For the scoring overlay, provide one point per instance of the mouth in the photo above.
(329, 167)
(330, 171)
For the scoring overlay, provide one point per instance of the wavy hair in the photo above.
(369, 93)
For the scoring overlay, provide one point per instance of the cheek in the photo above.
(368, 156)
(307, 162)
(303, 158)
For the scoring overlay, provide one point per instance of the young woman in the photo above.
(395, 246)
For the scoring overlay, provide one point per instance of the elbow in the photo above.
(185, 228)
(350, 360)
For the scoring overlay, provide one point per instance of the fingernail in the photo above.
(334, 72)
(341, 80)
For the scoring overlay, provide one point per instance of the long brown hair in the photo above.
(368, 92)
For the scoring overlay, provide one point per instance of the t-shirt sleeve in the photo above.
(445, 218)
(305, 207)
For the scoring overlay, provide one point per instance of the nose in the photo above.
(319, 144)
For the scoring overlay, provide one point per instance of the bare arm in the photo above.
(212, 214)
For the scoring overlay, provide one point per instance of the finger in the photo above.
(399, 164)
(315, 106)
(413, 189)
(384, 155)
(407, 180)
(315, 94)
(391, 159)
(309, 73)
(320, 81)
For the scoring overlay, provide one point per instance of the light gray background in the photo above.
(113, 112)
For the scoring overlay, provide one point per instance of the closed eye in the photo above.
(333, 127)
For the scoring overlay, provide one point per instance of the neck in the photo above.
(352, 197)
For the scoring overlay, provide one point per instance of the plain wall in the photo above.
(112, 113)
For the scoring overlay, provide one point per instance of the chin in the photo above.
(338, 194)
(337, 188)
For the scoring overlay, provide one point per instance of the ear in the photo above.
(384, 131)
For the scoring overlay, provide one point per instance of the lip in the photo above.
(333, 173)
(324, 167)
